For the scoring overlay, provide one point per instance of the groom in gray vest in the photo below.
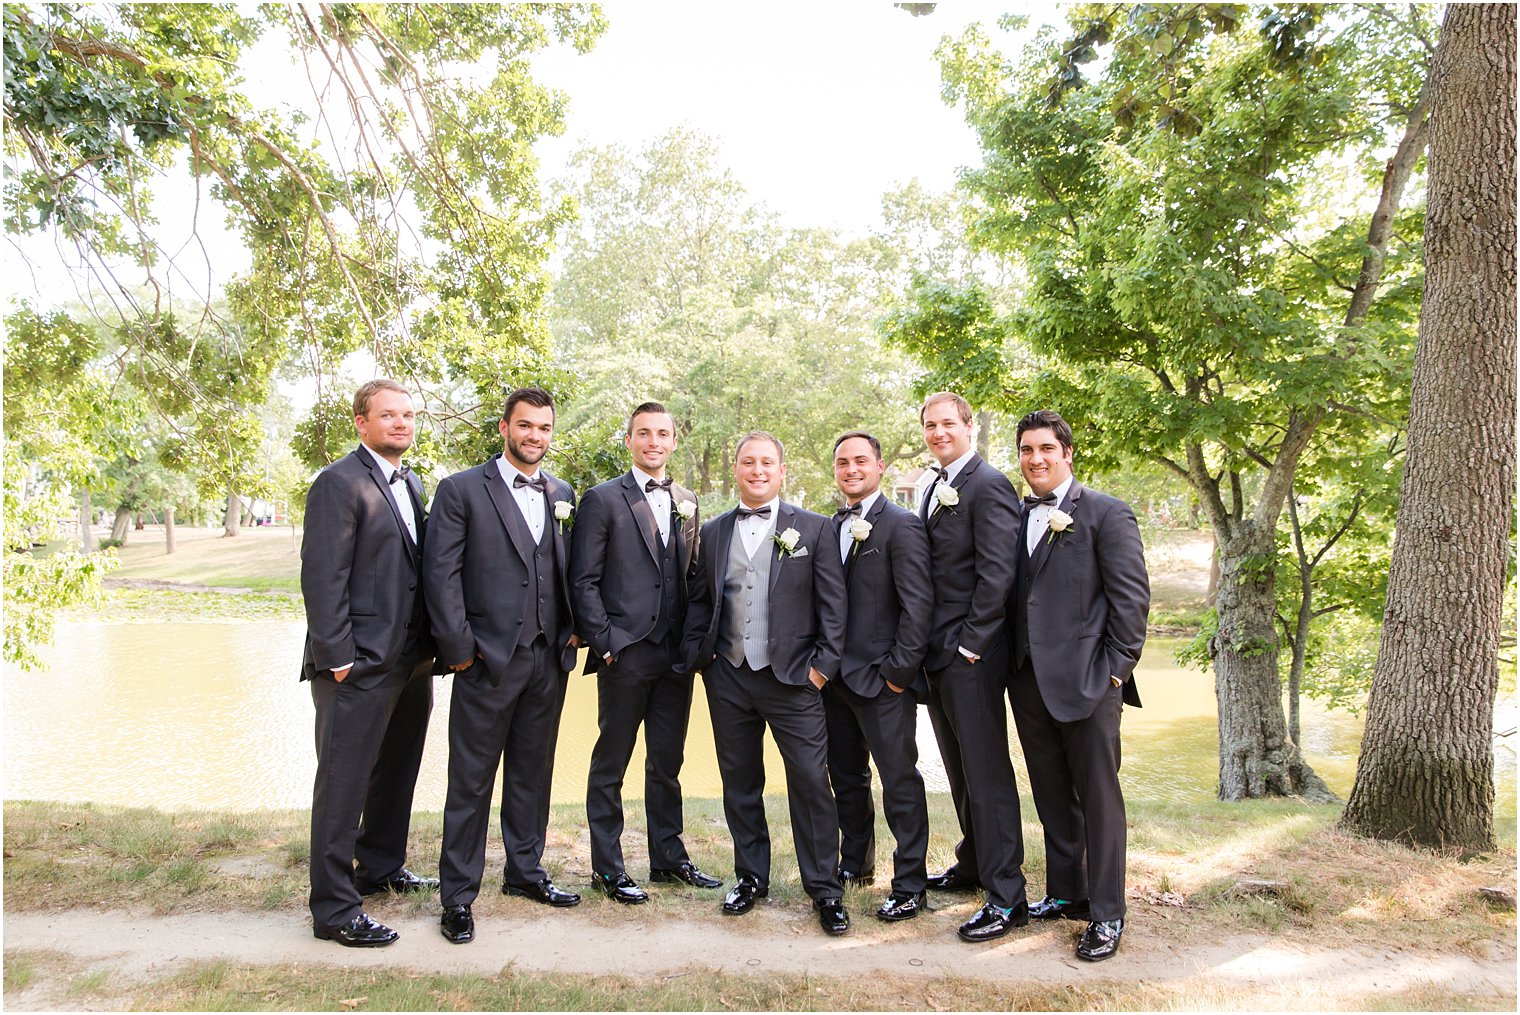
(766, 628)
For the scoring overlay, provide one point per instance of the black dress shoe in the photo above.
(953, 881)
(831, 916)
(849, 877)
(687, 872)
(401, 882)
(620, 887)
(1100, 940)
(360, 932)
(543, 891)
(902, 906)
(1054, 909)
(457, 925)
(741, 898)
(992, 922)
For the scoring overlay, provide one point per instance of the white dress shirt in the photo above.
(399, 493)
(847, 541)
(529, 501)
(951, 471)
(754, 529)
(659, 502)
(1039, 518)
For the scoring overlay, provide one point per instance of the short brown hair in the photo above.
(533, 396)
(1045, 419)
(649, 407)
(369, 389)
(875, 444)
(760, 435)
(961, 404)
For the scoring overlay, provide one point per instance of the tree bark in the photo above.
(168, 531)
(86, 523)
(121, 525)
(232, 515)
(1426, 770)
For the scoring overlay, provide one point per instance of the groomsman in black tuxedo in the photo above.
(970, 511)
(1079, 611)
(635, 541)
(872, 706)
(496, 571)
(369, 658)
(766, 629)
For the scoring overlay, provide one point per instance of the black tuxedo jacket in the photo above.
(360, 573)
(891, 601)
(806, 601)
(972, 548)
(615, 579)
(1085, 596)
(476, 569)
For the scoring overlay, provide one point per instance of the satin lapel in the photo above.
(923, 509)
(390, 502)
(419, 514)
(1042, 552)
(643, 514)
(971, 466)
(725, 540)
(784, 514)
(689, 532)
(855, 551)
(508, 511)
(553, 494)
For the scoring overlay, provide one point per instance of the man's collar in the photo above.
(386, 468)
(774, 504)
(641, 479)
(868, 501)
(954, 468)
(508, 470)
(1062, 490)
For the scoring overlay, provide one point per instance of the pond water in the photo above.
(210, 715)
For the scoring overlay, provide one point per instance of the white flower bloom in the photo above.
(860, 530)
(562, 510)
(947, 495)
(686, 508)
(789, 539)
(1060, 521)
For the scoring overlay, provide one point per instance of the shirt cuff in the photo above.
(969, 655)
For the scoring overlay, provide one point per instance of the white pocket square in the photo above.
(801, 551)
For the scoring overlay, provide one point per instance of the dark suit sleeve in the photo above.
(593, 528)
(327, 558)
(1126, 586)
(914, 585)
(700, 606)
(828, 600)
(994, 529)
(443, 575)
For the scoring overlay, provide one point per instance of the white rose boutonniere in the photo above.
(860, 531)
(564, 514)
(786, 542)
(1060, 523)
(685, 509)
(946, 495)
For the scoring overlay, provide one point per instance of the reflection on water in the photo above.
(185, 715)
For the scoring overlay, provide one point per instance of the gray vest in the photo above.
(745, 633)
(543, 577)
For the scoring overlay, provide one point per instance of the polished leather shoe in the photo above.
(902, 906)
(953, 881)
(620, 887)
(741, 898)
(849, 877)
(993, 922)
(543, 891)
(401, 882)
(1054, 909)
(687, 872)
(832, 916)
(1100, 940)
(360, 932)
(457, 925)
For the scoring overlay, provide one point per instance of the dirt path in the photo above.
(135, 947)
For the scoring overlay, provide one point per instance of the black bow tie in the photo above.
(853, 509)
(537, 482)
(941, 472)
(400, 474)
(1032, 500)
(656, 484)
(763, 512)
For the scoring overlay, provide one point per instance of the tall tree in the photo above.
(1205, 288)
(1426, 771)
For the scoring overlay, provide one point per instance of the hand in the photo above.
(817, 678)
(339, 675)
(461, 667)
(895, 689)
(607, 658)
(970, 657)
(575, 641)
(1117, 681)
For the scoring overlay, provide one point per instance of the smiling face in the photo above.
(527, 435)
(857, 469)
(946, 434)
(389, 424)
(758, 472)
(651, 439)
(1044, 460)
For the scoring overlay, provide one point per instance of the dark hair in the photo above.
(760, 435)
(649, 407)
(875, 444)
(533, 396)
(369, 389)
(947, 396)
(1045, 419)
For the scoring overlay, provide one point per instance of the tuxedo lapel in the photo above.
(873, 517)
(553, 494)
(687, 531)
(378, 478)
(1047, 541)
(959, 481)
(725, 540)
(508, 511)
(643, 515)
(783, 522)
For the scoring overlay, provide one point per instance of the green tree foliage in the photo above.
(1206, 288)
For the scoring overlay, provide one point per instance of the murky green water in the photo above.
(208, 715)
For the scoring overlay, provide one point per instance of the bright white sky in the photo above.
(819, 109)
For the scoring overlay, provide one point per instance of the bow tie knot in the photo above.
(400, 474)
(1032, 500)
(762, 512)
(537, 482)
(845, 512)
(941, 471)
(657, 484)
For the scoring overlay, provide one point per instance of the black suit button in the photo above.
(411, 588)
(525, 583)
(519, 620)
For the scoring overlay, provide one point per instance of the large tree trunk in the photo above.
(168, 531)
(233, 514)
(121, 525)
(86, 523)
(1426, 771)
